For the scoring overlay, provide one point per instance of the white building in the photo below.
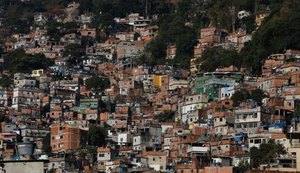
(242, 14)
(226, 92)
(103, 154)
(247, 120)
(137, 143)
(124, 138)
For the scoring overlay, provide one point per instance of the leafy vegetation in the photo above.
(19, 62)
(218, 57)
(174, 29)
(46, 144)
(242, 95)
(243, 166)
(179, 24)
(166, 116)
(280, 31)
(239, 96)
(88, 152)
(5, 81)
(3, 118)
(74, 52)
(265, 153)
(96, 135)
(55, 30)
(97, 83)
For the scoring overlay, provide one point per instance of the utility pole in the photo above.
(232, 14)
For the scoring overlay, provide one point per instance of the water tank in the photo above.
(43, 157)
(25, 148)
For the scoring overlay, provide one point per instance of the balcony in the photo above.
(247, 119)
(198, 149)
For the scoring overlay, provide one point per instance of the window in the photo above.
(101, 155)
(257, 141)
(121, 139)
(251, 141)
(255, 115)
(153, 159)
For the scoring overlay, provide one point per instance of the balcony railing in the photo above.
(295, 145)
(196, 149)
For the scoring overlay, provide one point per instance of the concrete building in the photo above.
(66, 137)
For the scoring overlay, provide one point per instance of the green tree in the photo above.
(266, 153)
(6, 81)
(99, 83)
(85, 6)
(279, 31)
(88, 152)
(46, 144)
(172, 30)
(45, 109)
(166, 116)
(257, 95)
(16, 19)
(3, 118)
(243, 166)
(239, 96)
(255, 157)
(297, 108)
(55, 30)
(213, 58)
(19, 62)
(96, 135)
(74, 52)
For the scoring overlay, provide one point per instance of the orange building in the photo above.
(210, 35)
(66, 137)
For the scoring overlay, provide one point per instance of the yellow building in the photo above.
(193, 67)
(37, 73)
(259, 18)
(159, 80)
